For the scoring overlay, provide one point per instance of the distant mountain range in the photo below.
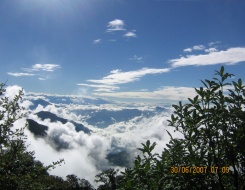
(37, 102)
(100, 118)
(65, 100)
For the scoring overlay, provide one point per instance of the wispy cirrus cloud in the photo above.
(42, 67)
(164, 93)
(109, 83)
(136, 58)
(229, 56)
(119, 77)
(115, 25)
(40, 70)
(20, 74)
(98, 87)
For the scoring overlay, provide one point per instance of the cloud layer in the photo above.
(197, 55)
(214, 57)
(164, 94)
(42, 67)
(119, 77)
(20, 74)
(85, 155)
(41, 70)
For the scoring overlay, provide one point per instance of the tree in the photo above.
(147, 171)
(18, 167)
(154, 172)
(213, 125)
(73, 182)
(211, 155)
(109, 179)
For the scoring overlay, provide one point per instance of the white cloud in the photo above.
(130, 35)
(119, 77)
(12, 91)
(98, 87)
(42, 67)
(195, 48)
(187, 50)
(88, 152)
(209, 50)
(164, 93)
(229, 56)
(85, 156)
(132, 133)
(97, 41)
(20, 74)
(115, 25)
(199, 47)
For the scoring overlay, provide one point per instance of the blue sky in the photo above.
(130, 50)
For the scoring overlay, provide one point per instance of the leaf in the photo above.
(147, 167)
(152, 146)
(169, 134)
(148, 143)
(222, 69)
(129, 184)
(240, 83)
(204, 83)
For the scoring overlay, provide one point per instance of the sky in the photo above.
(127, 50)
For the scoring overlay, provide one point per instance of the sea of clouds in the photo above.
(85, 154)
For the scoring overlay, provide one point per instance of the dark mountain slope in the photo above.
(54, 118)
(37, 102)
(37, 129)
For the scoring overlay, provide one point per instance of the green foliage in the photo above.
(147, 171)
(18, 167)
(73, 182)
(213, 126)
(109, 179)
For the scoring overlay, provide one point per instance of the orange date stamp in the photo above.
(198, 169)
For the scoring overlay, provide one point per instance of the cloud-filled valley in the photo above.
(90, 134)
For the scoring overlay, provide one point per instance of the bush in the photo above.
(18, 167)
(213, 126)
